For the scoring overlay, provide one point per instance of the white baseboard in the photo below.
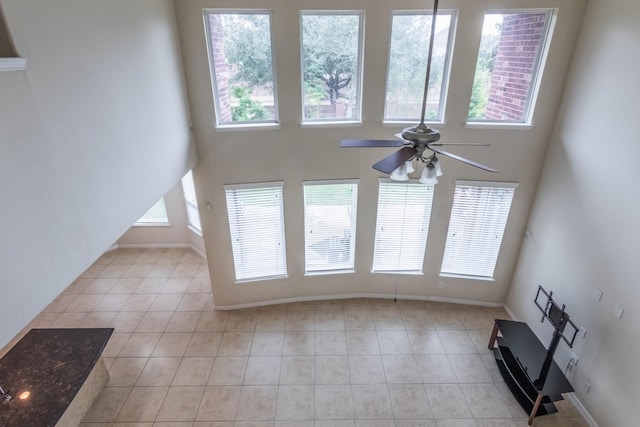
(583, 411)
(157, 245)
(509, 312)
(359, 295)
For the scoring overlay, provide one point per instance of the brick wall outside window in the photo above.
(520, 40)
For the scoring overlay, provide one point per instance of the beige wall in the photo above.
(293, 154)
(91, 134)
(584, 222)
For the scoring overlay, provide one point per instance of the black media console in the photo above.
(526, 365)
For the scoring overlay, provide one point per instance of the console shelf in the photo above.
(528, 368)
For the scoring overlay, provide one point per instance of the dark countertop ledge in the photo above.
(52, 364)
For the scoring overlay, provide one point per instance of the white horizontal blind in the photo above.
(402, 225)
(330, 226)
(256, 222)
(478, 219)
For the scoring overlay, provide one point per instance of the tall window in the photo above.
(509, 66)
(189, 191)
(157, 215)
(478, 219)
(331, 65)
(330, 226)
(408, 54)
(256, 223)
(402, 225)
(241, 60)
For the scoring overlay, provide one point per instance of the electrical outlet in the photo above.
(598, 294)
(583, 332)
(618, 311)
(573, 361)
(586, 386)
(441, 285)
(285, 285)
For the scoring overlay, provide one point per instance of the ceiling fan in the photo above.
(415, 140)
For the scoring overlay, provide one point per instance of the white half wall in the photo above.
(91, 134)
(584, 222)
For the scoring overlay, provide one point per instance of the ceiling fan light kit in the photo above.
(401, 173)
(415, 140)
(432, 170)
(429, 175)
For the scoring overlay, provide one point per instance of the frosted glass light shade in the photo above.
(429, 176)
(400, 173)
(410, 168)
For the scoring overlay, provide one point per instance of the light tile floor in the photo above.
(176, 362)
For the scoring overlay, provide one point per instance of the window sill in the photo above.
(328, 124)
(497, 125)
(246, 126)
(328, 272)
(195, 230)
(260, 279)
(467, 277)
(13, 64)
(410, 273)
(404, 124)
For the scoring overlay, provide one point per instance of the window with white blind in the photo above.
(402, 225)
(256, 223)
(478, 219)
(156, 215)
(330, 226)
(189, 191)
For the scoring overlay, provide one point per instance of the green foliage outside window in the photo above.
(248, 108)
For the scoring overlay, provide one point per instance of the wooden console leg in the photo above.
(494, 334)
(535, 408)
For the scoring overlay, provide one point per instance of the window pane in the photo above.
(408, 54)
(331, 69)
(402, 226)
(330, 226)
(508, 64)
(189, 191)
(241, 64)
(476, 227)
(156, 215)
(256, 222)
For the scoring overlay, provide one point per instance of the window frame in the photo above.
(485, 243)
(352, 242)
(446, 72)
(191, 206)
(141, 223)
(281, 270)
(250, 125)
(428, 211)
(360, 60)
(536, 76)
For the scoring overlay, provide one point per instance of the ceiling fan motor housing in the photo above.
(421, 133)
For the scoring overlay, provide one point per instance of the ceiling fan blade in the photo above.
(391, 162)
(469, 144)
(462, 159)
(355, 143)
(399, 136)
